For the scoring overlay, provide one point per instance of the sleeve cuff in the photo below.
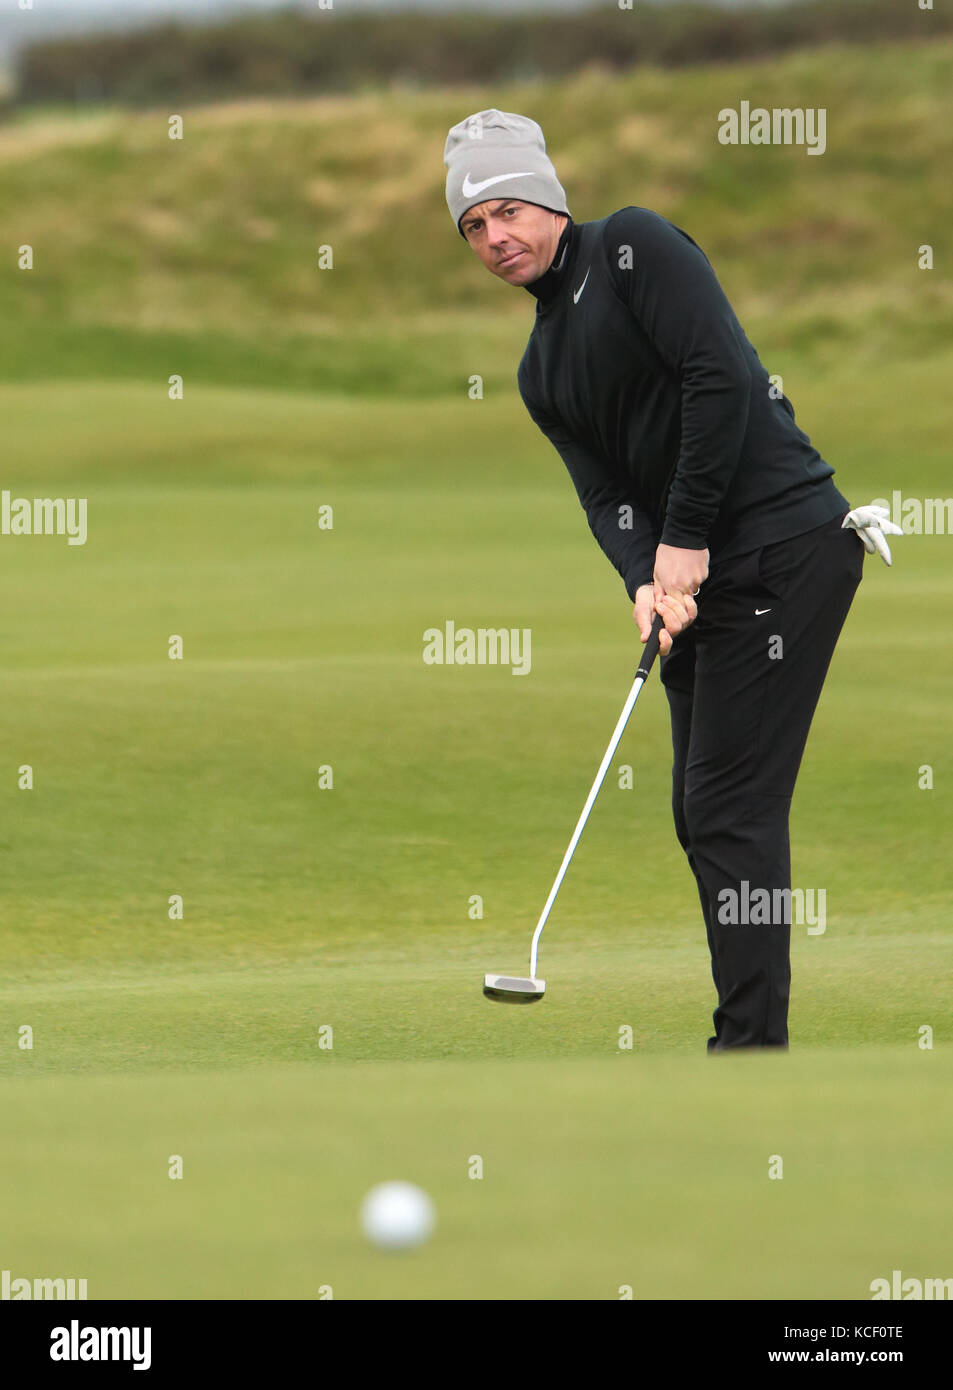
(636, 582)
(684, 537)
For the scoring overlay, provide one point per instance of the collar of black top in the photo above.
(549, 284)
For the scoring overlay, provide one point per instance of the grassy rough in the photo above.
(200, 256)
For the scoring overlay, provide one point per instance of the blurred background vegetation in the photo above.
(295, 53)
(203, 252)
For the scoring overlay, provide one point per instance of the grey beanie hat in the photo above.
(496, 154)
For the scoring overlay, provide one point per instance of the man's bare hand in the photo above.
(679, 571)
(678, 612)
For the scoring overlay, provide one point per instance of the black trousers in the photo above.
(742, 684)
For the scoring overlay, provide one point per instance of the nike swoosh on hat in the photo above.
(471, 189)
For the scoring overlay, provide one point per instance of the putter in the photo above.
(516, 989)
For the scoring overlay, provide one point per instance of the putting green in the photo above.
(602, 1178)
(374, 906)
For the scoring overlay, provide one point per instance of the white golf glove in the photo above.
(870, 523)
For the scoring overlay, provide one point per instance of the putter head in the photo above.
(513, 989)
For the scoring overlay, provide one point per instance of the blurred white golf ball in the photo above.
(397, 1215)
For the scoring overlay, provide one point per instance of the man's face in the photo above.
(517, 241)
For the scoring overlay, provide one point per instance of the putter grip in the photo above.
(650, 650)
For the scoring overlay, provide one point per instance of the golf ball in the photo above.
(397, 1215)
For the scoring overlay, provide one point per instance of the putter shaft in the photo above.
(649, 653)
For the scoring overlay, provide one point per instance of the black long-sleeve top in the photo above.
(641, 376)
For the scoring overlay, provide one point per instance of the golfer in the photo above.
(709, 500)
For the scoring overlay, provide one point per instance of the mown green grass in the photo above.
(303, 647)
(348, 908)
(602, 1178)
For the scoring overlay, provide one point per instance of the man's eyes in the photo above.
(475, 226)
